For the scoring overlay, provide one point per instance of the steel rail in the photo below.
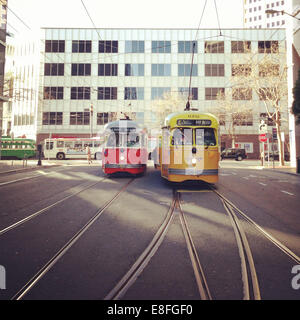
(37, 277)
(271, 238)
(247, 262)
(37, 213)
(198, 270)
(129, 278)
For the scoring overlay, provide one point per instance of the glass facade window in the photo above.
(268, 70)
(159, 92)
(185, 92)
(133, 93)
(267, 94)
(108, 46)
(104, 117)
(81, 46)
(187, 46)
(242, 119)
(241, 70)
(267, 46)
(107, 69)
(134, 46)
(55, 93)
(107, 93)
(241, 94)
(161, 46)
(54, 69)
(184, 70)
(240, 46)
(79, 118)
(214, 70)
(214, 93)
(160, 70)
(214, 47)
(52, 118)
(81, 69)
(135, 69)
(55, 46)
(80, 93)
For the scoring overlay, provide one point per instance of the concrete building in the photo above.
(255, 16)
(83, 78)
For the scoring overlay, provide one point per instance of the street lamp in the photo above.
(271, 11)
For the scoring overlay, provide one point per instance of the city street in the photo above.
(67, 231)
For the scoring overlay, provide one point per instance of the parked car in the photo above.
(276, 156)
(234, 153)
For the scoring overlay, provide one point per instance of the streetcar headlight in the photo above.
(194, 161)
(122, 158)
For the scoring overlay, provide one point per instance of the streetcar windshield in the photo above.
(182, 136)
(205, 136)
(133, 140)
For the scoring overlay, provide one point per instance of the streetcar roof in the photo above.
(171, 119)
(123, 124)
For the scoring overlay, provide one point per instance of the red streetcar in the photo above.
(125, 148)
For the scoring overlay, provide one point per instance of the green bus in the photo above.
(17, 148)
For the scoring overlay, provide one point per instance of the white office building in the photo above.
(88, 77)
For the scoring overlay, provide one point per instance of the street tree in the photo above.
(265, 74)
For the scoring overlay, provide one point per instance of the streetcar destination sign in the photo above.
(193, 122)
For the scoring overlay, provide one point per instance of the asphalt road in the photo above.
(42, 210)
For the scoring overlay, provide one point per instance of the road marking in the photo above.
(246, 178)
(263, 184)
(291, 194)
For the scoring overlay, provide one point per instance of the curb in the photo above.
(282, 171)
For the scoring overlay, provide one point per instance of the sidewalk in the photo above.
(284, 169)
(10, 166)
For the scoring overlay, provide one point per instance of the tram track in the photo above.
(60, 253)
(39, 212)
(144, 259)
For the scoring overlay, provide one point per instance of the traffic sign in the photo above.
(263, 137)
(263, 128)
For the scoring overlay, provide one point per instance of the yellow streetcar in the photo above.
(189, 147)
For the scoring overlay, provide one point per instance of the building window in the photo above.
(134, 46)
(268, 94)
(268, 121)
(242, 119)
(268, 70)
(214, 70)
(55, 46)
(240, 46)
(161, 46)
(81, 46)
(105, 117)
(135, 69)
(159, 92)
(241, 70)
(55, 93)
(214, 93)
(107, 93)
(214, 46)
(54, 69)
(80, 93)
(185, 93)
(133, 93)
(267, 46)
(108, 46)
(184, 70)
(187, 46)
(160, 70)
(52, 118)
(107, 69)
(81, 69)
(79, 118)
(241, 94)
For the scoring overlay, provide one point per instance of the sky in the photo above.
(124, 14)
